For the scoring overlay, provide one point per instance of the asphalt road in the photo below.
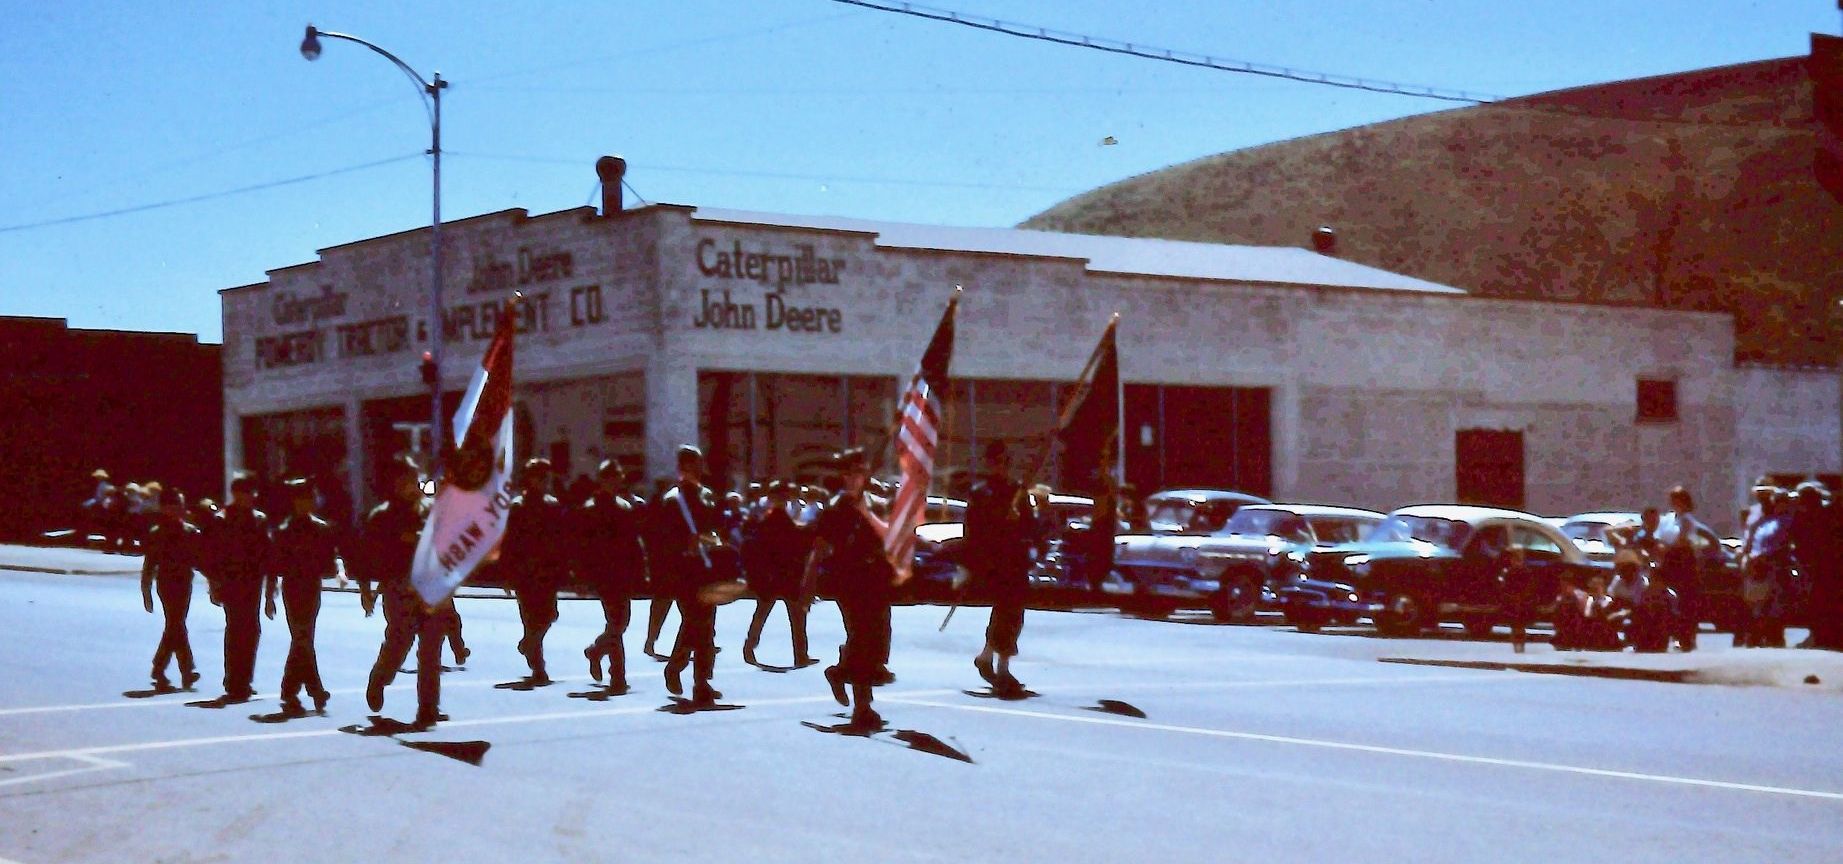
(1257, 744)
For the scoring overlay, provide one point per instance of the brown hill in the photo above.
(1689, 191)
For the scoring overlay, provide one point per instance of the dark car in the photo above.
(1431, 563)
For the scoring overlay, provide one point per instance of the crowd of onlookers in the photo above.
(1787, 562)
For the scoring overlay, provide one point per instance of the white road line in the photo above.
(267, 697)
(1389, 751)
(1477, 677)
(148, 746)
(91, 763)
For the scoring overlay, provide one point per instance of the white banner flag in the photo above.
(469, 516)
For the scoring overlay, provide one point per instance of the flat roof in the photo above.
(1138, 256)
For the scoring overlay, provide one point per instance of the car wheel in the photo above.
(1236, 601)
(1403, 615)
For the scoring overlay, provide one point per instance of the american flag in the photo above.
(918, 422)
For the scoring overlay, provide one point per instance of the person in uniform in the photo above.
(687, 526)
(386, 552)
(774, 552)
(237, 544)
(535, 553)
(172, 555)
(1000, 529)
(658, 587)
(612, 563)
(303, 551)
(848, 555)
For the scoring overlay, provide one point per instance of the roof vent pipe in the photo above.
(1324, 240)
(610, 169)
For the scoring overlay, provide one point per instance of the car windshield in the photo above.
(1448, 533)
(1337, 530)
(1269, 523)
(1584, 531)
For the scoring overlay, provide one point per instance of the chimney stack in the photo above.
(611, 169)
(1324, 240)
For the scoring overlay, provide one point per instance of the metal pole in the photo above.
(437, 324)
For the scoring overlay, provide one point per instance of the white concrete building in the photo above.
(772, 340)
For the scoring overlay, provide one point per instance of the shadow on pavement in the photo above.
(471, 752)
(602, 694)
(682, 706)
(1115, 706)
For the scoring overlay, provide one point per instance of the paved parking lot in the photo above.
(1256, 742)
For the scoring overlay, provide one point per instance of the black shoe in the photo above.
(837, 680)
(704, 694)
(595, 662)
(292, 708)
(426, 720)
(748, 653)
(1007, 684)
(866, 719)
(537, 679)
(161, 684)
(374, 697)
(189, 678)
(984, 665)
(461, 654)
(674, 685)
(803, 662)
(883, 676)
(320, 700)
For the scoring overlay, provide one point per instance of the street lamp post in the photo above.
(432, 101)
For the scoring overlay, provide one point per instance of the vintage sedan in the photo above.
(1431, 563)
(1157, 572)
(1262, 547)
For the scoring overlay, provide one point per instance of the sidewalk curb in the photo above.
(1626, 673)
(56, 571)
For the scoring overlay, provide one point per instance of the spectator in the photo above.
(1766, 572)
(1815, 548)
(1681, 537)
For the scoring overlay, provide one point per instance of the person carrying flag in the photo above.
(849, 557)
(1000, 529)
(386, 548)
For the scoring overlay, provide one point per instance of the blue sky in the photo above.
(798, 106)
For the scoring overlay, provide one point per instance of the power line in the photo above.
(1116, 46)
(771, 175)
(142, 208)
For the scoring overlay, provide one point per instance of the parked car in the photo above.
(1158, 571)
(1589, 531)
(1261, 547)
(1431, 563)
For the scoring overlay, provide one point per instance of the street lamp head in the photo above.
(310, 45)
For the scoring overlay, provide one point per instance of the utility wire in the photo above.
(1116, 46)
(142, 208)
(771, 175)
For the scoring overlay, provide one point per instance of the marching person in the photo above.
(237, 544)
(688, 526)
(303, 551)
(386, 551)
(773, 555)
(848, 548)
(613, 565)
(172, 555)
(659, 588)
(536, 555)
(999, 534)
